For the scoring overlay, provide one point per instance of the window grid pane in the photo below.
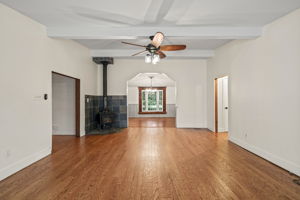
(152, 100)
(160, 101)
(143, 100)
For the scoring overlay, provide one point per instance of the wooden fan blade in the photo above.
(158, 39)
(172, 47)
(161, 54)
(134, 44)
(139, 53)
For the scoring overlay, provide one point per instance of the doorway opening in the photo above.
(221, 104)
(65, 105)
(151, 99)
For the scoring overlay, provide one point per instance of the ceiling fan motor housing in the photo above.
(151, 48)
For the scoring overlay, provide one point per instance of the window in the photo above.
(152, 100)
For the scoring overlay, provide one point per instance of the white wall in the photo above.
(133, 95)
(27, 57)
(171, 95)
(63, 105)
(190, 77)
(264, 97)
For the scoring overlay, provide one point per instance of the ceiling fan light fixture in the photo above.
(148, 58)
(155, 59)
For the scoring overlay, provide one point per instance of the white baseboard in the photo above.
(222, 130)
(17, 166)
(65, 132)
(183, 125)
(285, 164)
(212, 130)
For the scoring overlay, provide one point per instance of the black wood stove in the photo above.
(106, 117)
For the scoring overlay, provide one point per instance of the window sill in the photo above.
(162, 112)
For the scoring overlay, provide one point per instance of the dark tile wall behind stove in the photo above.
(92, 107)
(116, 104)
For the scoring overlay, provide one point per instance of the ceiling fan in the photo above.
(155, 49)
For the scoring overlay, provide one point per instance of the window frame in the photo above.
(164, 100)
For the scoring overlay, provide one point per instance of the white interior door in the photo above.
(220, 105)
(225, 103)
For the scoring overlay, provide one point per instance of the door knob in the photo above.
(226, 108)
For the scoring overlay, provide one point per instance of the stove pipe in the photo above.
(104, 61)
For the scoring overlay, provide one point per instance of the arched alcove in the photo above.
(155, 84)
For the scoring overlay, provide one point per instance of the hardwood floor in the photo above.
(154, 122)
(150, 163)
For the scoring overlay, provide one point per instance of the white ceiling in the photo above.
(119, 13)
(201, 24)
(144, 80)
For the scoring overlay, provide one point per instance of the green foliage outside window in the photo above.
(152, 100)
